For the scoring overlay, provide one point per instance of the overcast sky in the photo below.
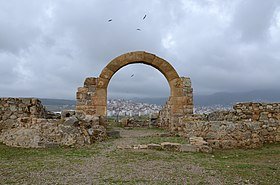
(48, 48)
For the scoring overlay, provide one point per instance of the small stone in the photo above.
(124, 147)
(171, 146)
(67, 113)
(197, 141)
(205, 149)
(90, 131)
(72, 121)
(153, 146)
(164, 135)
(135, 147)
(13, 117)
(143, 146)
(13, 108)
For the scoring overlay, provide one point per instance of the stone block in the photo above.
(171, 146)
(106, 73)
(153, 146)
(102, 83)
(205, 149)
(148, 57)
(97, 101)
(198, 141)
(71, 121)
(82, 89)
(67, 113)
(90, 81)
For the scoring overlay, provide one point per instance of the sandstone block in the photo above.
(153, 146)
(171, 146)
(199, 141)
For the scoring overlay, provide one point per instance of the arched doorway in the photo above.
(92, 98)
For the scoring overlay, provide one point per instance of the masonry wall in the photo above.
(86, 96)
(248, 125)
(166, 118)
(13, 108)
(24, 122)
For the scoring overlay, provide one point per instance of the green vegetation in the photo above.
(102, 163)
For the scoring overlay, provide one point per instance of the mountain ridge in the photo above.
(220, 98)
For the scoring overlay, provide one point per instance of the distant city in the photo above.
(124, 107)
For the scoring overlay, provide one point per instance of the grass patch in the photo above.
(261, 166)
(10, 153)
(255, 166)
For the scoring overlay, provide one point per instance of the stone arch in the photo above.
(92, 98)
(146, 58)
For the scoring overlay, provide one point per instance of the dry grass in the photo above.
(102, 163)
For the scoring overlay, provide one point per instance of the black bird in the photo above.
(144, 16)
(138, 29)
(110, 20)
(131, 76)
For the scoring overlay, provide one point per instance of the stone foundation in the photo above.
(249, 125)
(24, 123)
(11, 109)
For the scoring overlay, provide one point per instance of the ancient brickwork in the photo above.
(248, 112)
(43, 133)
(86, 97)
(249, 125)
(13, 108)
(92, 98)
(24, 123)
(166, 118)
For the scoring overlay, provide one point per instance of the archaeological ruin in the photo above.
(24, 122)
(92, 97)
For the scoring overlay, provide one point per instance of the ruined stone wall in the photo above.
(248, 112)
(24, 123)
(73, 131)
(166, 118)
(88, 100)
(13, 108)
(249, 125)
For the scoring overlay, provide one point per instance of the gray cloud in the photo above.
(47, 49)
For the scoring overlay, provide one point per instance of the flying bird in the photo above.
(144, 16)
(110, 20)
(131, 75)
(138, 29)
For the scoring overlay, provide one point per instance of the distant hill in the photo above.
(58, 104)
(230, 98)
(224, 98)
(47, 101)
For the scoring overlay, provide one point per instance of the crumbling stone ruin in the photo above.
(248, 125)
(25, 123)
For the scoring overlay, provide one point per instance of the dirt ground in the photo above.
(103, 163)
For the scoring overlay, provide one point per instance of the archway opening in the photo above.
(136, 92)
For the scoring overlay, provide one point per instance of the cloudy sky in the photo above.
(48, 48)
